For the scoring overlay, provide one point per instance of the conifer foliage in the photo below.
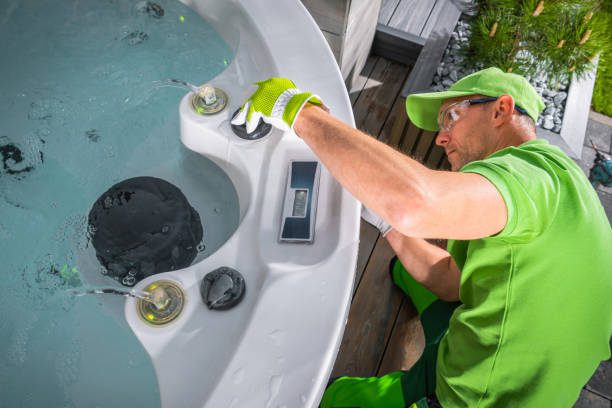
(557, 38)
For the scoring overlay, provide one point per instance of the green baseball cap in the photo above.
(423, 108)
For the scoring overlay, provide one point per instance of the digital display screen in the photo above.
(300, 202)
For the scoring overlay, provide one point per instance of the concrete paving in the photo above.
(599, 130)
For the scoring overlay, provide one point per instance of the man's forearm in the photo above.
(431, 266)
(383, 179)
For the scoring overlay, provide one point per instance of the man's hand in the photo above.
(277, 101)
(372, 218)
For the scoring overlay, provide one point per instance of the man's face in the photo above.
(465, 141)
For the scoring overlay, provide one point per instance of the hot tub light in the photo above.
(209, 100)
(165, 303)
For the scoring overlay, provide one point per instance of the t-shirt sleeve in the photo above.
(527, 185)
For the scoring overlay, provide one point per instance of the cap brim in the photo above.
(422, 108)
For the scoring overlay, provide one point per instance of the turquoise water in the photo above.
(80, 110)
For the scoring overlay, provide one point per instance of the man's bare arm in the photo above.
(415, 200)
(430, 265)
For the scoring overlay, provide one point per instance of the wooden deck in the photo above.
(383, 332)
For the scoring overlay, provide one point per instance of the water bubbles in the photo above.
(92, 135)
(45, 108)
(217, 210)
(108, 202)
(14, 160)
(128, 280)
(149, 8)
(201, 247)
(135, 37)
(165, 229)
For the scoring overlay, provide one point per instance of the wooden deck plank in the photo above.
(410, 140)
(371, 317)
(601, 382)
(424, 69)
(394, 126)
(435, 157)
(360, 83)
(411, 15)
(406, 342)
(387, 8)
(368, 235)
(589, 400)
(375, 101)
(432, 20)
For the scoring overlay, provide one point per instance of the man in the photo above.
(527, 278)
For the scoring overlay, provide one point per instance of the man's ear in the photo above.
(503, 109)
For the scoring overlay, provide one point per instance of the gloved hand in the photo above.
(373, 218)
(277, 101)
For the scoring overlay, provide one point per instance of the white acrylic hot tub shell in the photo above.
(277, 347)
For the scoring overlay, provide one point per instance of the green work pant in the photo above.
(412, 388)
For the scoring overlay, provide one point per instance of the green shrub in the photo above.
(558, 38)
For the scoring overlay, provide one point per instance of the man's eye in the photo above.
(453, 114)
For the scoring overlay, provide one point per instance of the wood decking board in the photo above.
(374, 102)
(392, 130)
(412, 15)
(424, 143)
(590, 400)
(387, 8)
(406, 342)
(431, 22)
(368, 235)
(362, 80)
(410, 139)
(431, 54)
(371, 318)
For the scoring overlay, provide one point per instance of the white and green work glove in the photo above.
(372, 218)
(277, 101)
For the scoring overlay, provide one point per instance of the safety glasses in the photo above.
(454, 111)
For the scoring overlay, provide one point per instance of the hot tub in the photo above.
(277, 347)
(81, 110)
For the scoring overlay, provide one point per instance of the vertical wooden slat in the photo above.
(360, 83)
(412, 15)
(432, 20)
(368, 235)
(423, 145)
(406, 342)
(387, 8)
(410, 139)
(375, 101)
(436, 154)
(445, 165)
(370, 319)
(396, 124)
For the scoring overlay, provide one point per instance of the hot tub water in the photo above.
(80, 111)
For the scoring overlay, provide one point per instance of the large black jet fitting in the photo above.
(143, 226)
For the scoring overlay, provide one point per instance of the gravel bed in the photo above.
(452, 67)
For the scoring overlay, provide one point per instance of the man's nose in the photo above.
(442, 138)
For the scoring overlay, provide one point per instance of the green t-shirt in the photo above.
(536, 313)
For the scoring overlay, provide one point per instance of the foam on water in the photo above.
(80, 111)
